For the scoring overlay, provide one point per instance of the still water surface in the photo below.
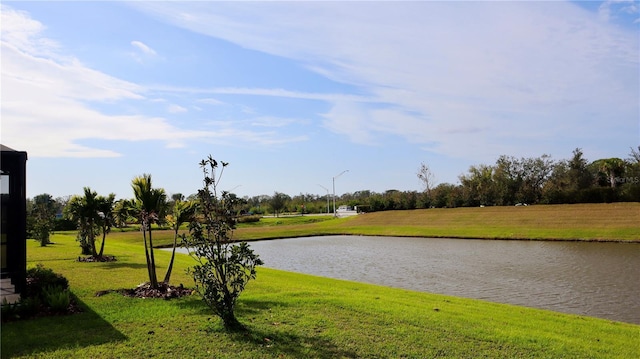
(593, 279)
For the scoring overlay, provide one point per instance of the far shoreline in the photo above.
(591, 240)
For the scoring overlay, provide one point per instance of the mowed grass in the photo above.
(588, 222)
(600, 222)
(291, 315)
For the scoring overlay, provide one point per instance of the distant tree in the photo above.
(507, 178)
(535, 172)
(631, 186)
(427, 178)
(569, 181)
(610, 168)
(122, 211)
(447, 195)
(149, 206)
(478, 186)
(223, 268)
(177, 197)
(93, 214)
(579, 176)
(61, 203)
(634, 156)
(277, 202)
(43, 215)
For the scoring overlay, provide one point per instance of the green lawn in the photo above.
(593, 222)
(603, 222)
(291, 315)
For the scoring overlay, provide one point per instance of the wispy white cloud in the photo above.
(473, 80)
(173, 108)
(255, 91)
(142, 52)
(272, 121)
(48, 98)
(611, 9)
(210, 101)
(143, 47)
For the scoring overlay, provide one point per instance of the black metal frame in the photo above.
(14, 205)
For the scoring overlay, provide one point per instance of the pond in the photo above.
(586, 278)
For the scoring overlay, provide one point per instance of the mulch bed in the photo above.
(145, 290)
(97, 259)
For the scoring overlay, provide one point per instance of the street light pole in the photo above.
(326, 189)
(334, 191)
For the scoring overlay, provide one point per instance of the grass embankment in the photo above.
(601, 222)
(292, 315)
(585, 222)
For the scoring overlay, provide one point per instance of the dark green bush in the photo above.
(40, 278)
(10, 310)
(29, 306)
(46, 293)
(57, 299)
(64, 224)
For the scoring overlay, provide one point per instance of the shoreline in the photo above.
(596, 240)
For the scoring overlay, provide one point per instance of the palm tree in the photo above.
(182, 212)
(106, 219)
(93, 214)
(84, 211)
(611, 168)
(122, 210)
(150, 204)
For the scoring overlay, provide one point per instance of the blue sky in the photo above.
(294, 93)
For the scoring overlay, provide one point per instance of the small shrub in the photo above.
(10, 311)
(28, 307)
(223, 268)
(46, 293)
(57, 299)
(249, 219)
(64, 224)
(39, 278)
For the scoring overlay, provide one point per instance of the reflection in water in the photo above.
(594, 279)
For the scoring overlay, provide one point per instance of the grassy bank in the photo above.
(585, 222)
(293, 316)
(602, 222)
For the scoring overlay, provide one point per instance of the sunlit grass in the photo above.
(291, 315)
(601, 222)
(611, 222)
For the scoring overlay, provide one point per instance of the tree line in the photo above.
(509, 181)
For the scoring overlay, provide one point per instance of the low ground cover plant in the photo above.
(46, 293)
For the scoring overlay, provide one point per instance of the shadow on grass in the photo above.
(244, 307)
(120, 264)
(281, 339)
(290, 343)
(48, 334)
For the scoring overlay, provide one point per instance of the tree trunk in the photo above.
(104, 237)
(612, 179)
(146, 252)
(152, 268)
(167, 276)
(92, 240)
(231, 323)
